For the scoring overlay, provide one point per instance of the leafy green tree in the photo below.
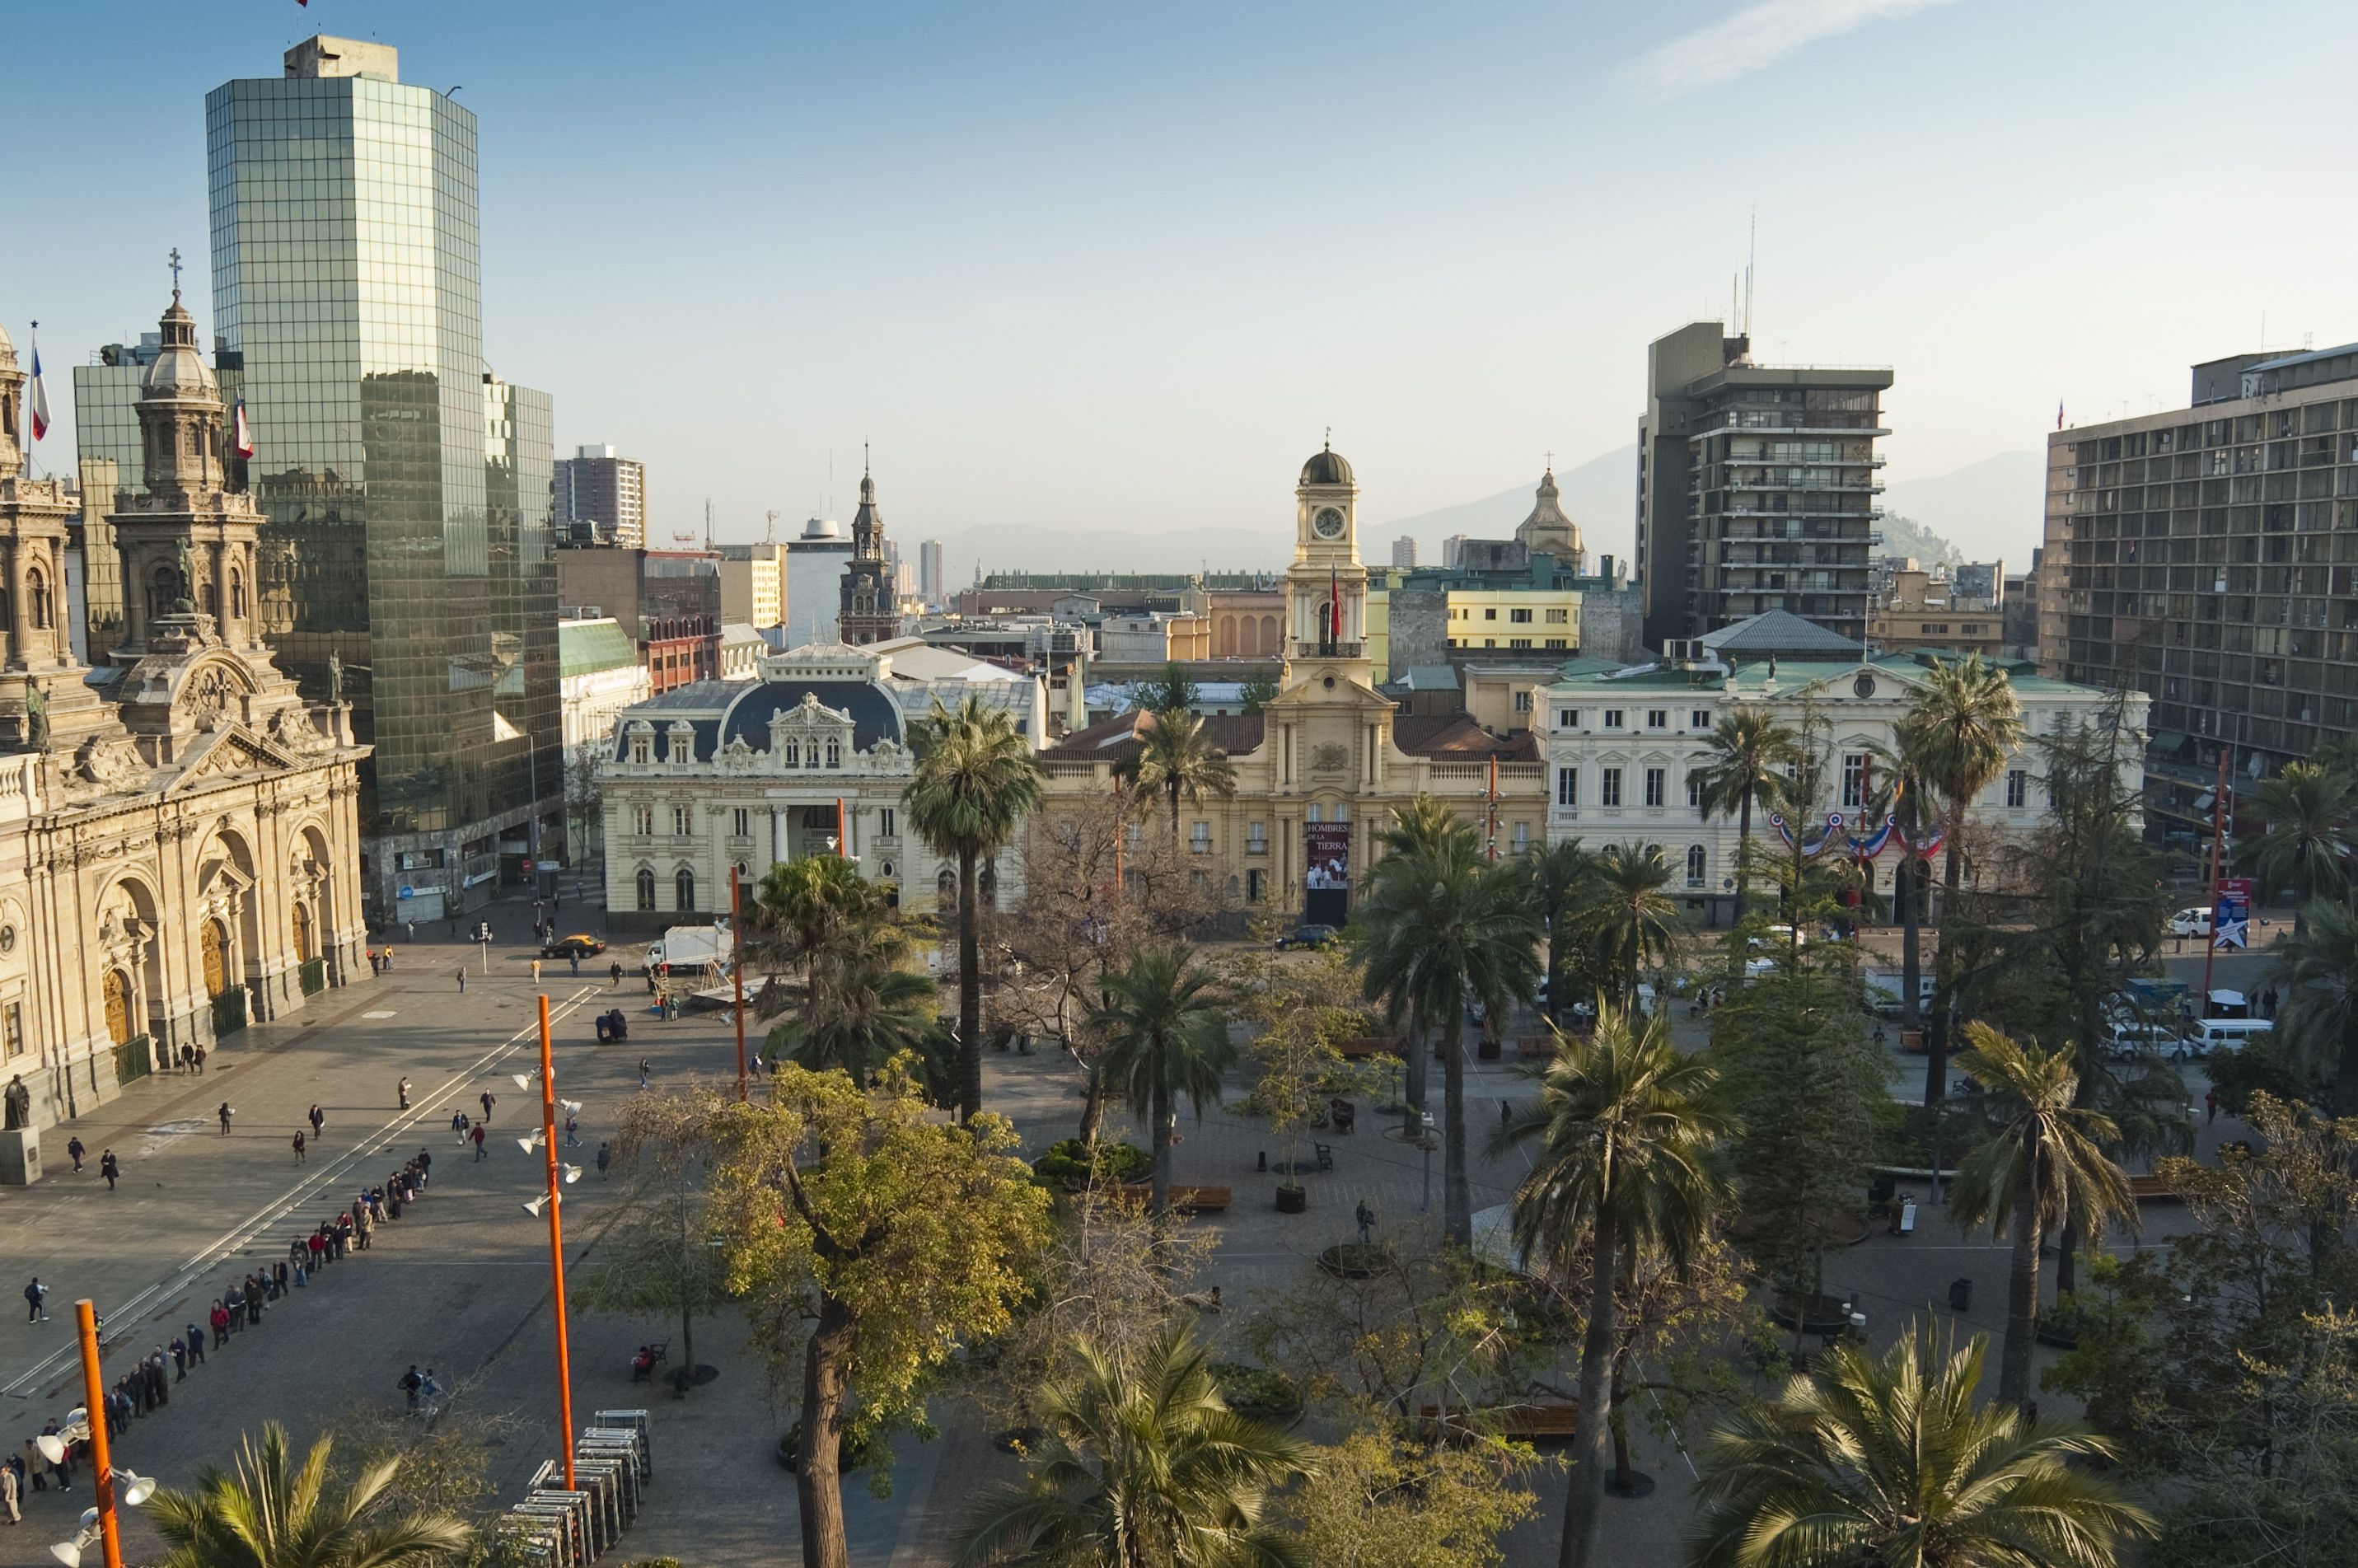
(1378, 1500)
(1960, 730)
(2045, 1159)
(1628, 919)
(866, 1241)
(1258, 690)
(1621, 1134)
(272, 1513)
(1440, 924)
(1888, 1460)
(976, 781)
(1143, 1465)
(2306, 848)
(1302, 1014)
(1745, 757)
(1166, 1039)
(2319, 970)
(1171, 692)
(865, 1008)
(1177, 760)
(656, 1257)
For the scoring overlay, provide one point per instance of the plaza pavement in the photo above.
(461, 1282)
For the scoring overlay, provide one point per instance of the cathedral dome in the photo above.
(180, 371)
(1325, 467)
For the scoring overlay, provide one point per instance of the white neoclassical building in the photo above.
(811, 758)
(1625, 748)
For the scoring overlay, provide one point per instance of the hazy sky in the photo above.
(1119, 266)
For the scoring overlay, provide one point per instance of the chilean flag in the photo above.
(38, 406)
(241, 433)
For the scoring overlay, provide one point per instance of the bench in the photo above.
(1545, 1418)
(1344, 1114)
(1534, 1047)
(1185, 1199)
(657, 1353)
(1325, 1153)
(2151, 1189)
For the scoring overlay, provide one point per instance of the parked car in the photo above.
(2192, 922)
(579, 946)
(1308, 936)
(2228, 1034)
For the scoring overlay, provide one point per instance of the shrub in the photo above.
(1065, 1167)
(1257, 1392)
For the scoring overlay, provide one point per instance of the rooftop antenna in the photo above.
(770, 535)
(708, 522)
(1751, 249)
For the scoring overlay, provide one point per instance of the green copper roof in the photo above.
(586, 647)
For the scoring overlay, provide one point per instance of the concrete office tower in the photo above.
(814, 593)
(930, 587)
(404, 553)
(1451, 548)
(603, 497)
(753, 585)
(1756, 487)
(1404, 552)
(2202, 555)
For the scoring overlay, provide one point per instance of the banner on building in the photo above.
(2230, 922)
(1328, 856)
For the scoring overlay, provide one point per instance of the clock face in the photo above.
(1329, 523)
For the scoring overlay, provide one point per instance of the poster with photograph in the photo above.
(1328, 856)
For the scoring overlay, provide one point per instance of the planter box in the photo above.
(1293, 1200)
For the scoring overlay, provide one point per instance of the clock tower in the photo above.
(1327, 588)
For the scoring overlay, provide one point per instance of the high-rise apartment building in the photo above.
(1404, 552)
(2206, 556)
(1451, 548)
(1756, 487)
(602, 498)
(931, 588)
(753, 585)
(405, 554)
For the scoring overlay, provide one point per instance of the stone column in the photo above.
(778, 835)
(18, 618)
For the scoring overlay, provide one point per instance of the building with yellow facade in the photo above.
(1920, 610)
(1322, 769)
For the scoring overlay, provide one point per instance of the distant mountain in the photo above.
(1022, 546)
(1906, 536)
(1992, 508)
(1601, 495)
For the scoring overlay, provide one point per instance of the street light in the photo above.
(98, 1523)
(547, 1138)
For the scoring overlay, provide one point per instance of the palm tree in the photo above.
(1166, 1038)
(2319, 970)
(1623, 1126)
(1560, 877)
(1960, 729)
(2045, 1160)
(803, 906)
(1748, 755)
(1177, 759)
(1438, 923)
(2306, 848)
(270, 1514)
(976, 781)
(1909, 875)
(1143, 1465)
(1887, 1459)
(863, 1009)
(2339, 756)
(1629, 918)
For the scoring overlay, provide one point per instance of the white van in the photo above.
(2192, 922)
(2227, 1034)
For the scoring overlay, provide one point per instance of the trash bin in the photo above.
(1961, 1295)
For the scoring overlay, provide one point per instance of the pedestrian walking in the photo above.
(412, 1385)
(488, 1099)
(402, 1088)
(188, 1058)
(572, 1131)
(643, 1071)
(1367, 1220)
(2211, 1102)
(194, 1337)
(535, 971)
(605, 1158)
(74, 1148)
(201, 1061)
(388, 955)
(429, 1393)
(462, 982)
(225, 1113)
(298, 1148)
(9, 1492)
(479, 1140)
(34, 1294)
(319, 1121)
(218, 1320)
(458, 1125)
(108, 1168)
(614, 975)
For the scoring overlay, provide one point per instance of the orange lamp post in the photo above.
(93, 1395)
(556, 1249)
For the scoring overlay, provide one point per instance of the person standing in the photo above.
(477, 1136)
(1367, 1221)
(488, 1099)
(225, 1113)
(643, 1071)
(614, 975)
(605, 1158)
(319, 1121)
(402, 1088)
(74, 1148)
(2211, 1103)
(194, 1339)
(412, 1385)
(34, 1294)
(575, 959)
(108, 1168)
(9, 1492)
(463, 981)
(535, 971)
(572, 1131)
(201, 1061)
(298, 1146)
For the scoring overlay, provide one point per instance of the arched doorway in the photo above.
(646, 889)
(301, 921)
(212, 947)
(121, 1016)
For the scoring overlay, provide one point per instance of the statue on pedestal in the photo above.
(20, 1100)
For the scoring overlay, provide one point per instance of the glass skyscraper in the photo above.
(407, 489)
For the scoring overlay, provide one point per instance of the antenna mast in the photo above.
(1751, 249)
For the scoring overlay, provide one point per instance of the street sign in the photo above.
(408, 892)
(2231, 921)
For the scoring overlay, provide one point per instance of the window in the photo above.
(1342, 811)
(835, 753)
(1853, 779)
(1522, 702)
(810, 757)
(1559, 617)
(1558, 642)
(640, 745)
(1489, 615)
(646, 889)
(1315, 814)
(682, 887)
(1608, 791)
(1254, 881)
(740, 823)
(2018, 789)
(794, 753)
(1256, 838)
(642, 820)
(1519, 642)
(1695, 791)
(1697, 862)
(1700, 718)
(1519, 617)
(1658, 718)
(1522, 838)
(15, 1027)
(1130, 834)
(1567, 719)
(1657, 785)
(683, 820)
(1613, 719)
(1567, 787)
(884, 828)
(1200, 837)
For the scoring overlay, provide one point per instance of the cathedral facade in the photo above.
(178, 829)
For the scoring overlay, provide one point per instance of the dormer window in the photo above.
(642, 744)
(794, 753)
(835, 753)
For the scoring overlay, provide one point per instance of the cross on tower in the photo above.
(175, 273)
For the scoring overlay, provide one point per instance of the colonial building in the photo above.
(871, 605)
(178, 833)
(811, 758)
(1626, 747)
(1321, 769)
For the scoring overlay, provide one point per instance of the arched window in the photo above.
(646, 889)
(1697, 862)
(835, 753)
(946, 883)
(682, 887)
(37, 589)
(794, 753)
